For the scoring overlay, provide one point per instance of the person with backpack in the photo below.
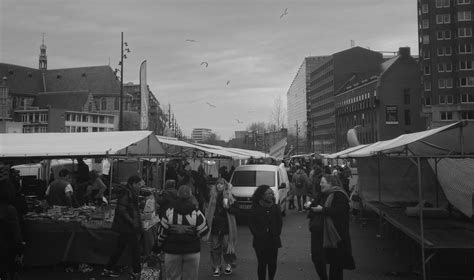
(301, 182)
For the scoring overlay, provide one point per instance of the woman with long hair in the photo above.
(265, 224)
(330, 239)
(223, 227)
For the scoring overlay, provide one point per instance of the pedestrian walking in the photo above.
(128, 225)
(265, 224)
(301, 181)
(179, 234)
(221, 220)
(334, 242)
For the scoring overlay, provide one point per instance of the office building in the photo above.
(446, 60)
(201, 134)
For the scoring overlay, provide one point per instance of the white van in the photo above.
(246, 179)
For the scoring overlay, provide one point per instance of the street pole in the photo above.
(121, 85)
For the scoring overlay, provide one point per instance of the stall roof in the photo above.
(446, 140)
(344, 153)
(247, 153)
(90, 144)
(212, 151)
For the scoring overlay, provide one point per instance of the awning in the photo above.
(243, 152)
(90, 144)
(446, 140)
(210, 151)
(277, 151)
(344, 153)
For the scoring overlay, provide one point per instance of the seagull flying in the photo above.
(211, 105)
(239, 121)
(228, 82)
(191, 40)
(284, 13)
(205, 63)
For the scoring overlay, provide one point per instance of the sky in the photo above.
(253, 48)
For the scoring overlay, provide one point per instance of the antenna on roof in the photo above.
(109, 61)
(352, 43)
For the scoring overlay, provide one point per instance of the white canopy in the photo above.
(243, 152)
(446, 140)
(90, 144)
(211, 151)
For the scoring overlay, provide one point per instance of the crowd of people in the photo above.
(191, 212)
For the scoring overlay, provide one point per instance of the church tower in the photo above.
(43, 59)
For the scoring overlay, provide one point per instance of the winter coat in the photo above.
(181, 228)
(265, 225)
(127, 213)
(339, 213)
(301, 181)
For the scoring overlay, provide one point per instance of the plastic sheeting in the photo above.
(398, 181)
(456, 177)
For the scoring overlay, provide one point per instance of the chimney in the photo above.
(404, 51)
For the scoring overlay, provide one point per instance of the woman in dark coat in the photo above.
(265, 224)
(334, 244)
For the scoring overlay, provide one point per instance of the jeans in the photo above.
(218, 251)
(182, 266)
(267, 258)
(133, 241)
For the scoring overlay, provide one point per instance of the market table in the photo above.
(54, 243)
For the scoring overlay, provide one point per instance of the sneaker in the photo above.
(217, 272)
(109, 273)
(228, 269)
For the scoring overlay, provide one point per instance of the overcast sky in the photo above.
(246, 42)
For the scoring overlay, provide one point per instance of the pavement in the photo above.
(376, 258)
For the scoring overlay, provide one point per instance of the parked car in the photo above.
(246, 179)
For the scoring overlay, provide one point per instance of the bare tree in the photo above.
(257, 127)
(278, 116)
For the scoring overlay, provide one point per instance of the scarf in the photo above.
(231, 238)
(330, 235)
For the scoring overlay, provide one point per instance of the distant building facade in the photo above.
(446, 60)
(296, 97)
(325, 81)
(201, 134)
(382, 106)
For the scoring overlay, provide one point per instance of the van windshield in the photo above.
(253, 178)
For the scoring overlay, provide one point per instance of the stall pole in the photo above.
(110, 178)
(422, 233)
(164, 174)
(461, 139)
(437, 182)
(379, 182)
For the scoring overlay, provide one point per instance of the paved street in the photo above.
(375, 258)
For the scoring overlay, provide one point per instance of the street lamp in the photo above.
(122, 57)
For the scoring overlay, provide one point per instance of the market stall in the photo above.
(399, 180)
(60, 234)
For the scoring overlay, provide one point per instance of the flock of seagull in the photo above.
(206, 64)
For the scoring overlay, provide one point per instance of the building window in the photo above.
(442, 99)
(103, 104)
(424, 8)
(426, 70)
(428, 101)
(441, 67)
(407, 117)
(406, 98)
(447, 18)
(447, 51)
(464, 16)
(440, 51)
(391, 115)
(441, 83)
(446, 116)
(425, 24)
(449, 99)
(465, 65)
(467, 115)
(465, 48)
(426, 54)
(464, 2)
(427, 85)
(90, 107)
(439, 19)
(467, 98)
(466, 81)
(426, 39)
(449, 67)
(449, 83)
(94, 119)
(465, 32)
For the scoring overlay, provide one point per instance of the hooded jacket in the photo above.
(127, 213)
(181, 228)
